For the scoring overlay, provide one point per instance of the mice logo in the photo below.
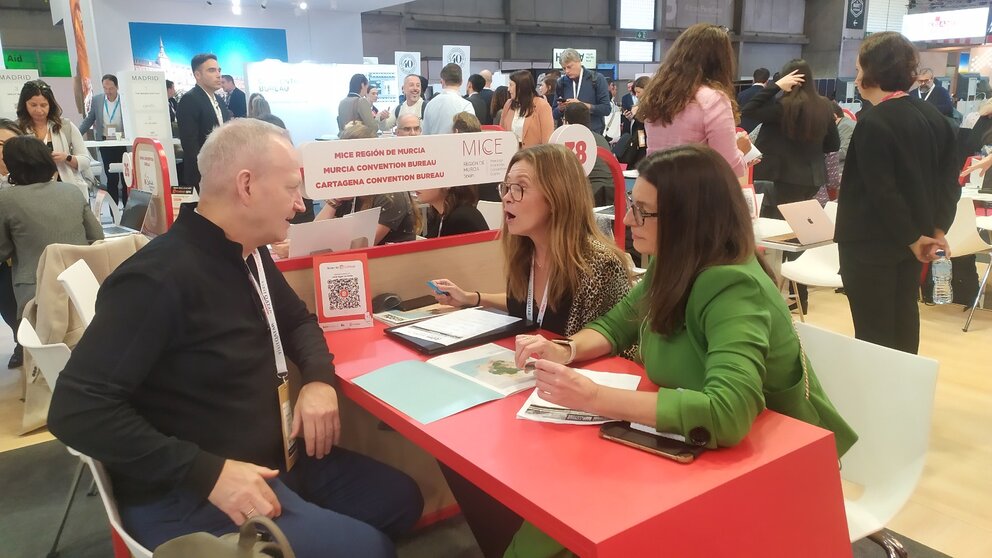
(456, 56)
(408, 63)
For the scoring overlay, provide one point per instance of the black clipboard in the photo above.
(431, 348)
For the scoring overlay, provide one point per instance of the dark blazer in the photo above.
(487, 96)
(745, 96)
(626, 103)
(238, 104)
(900, 177)
(783, 159)
(173, 108)
(939, 98)
(196, 121)
(481, 109)
(594, 91)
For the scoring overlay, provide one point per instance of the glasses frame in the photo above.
(639, 214)
(504, 187)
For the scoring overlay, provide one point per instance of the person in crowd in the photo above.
(104, 119)
(637, 143)
(258, 106)
(200, 111)
(845, 129)
(600, 178)
(487, 92)
(527, 115)
(500, 97)
(465, 123)
(439, 112)
(408, 125)
(547, 87)
(898, 195)
(186, 417)
(933, 92)
(714, 334)
(690, 98)
(235, 97)
(170, 91)
(8, 303)
(425, 91)
(412, 103)
(796, 132)
(355, 107)
(451, 211)
(627, 104)
(398, 218)
(373, 98)
(475, 85)
(611, 131)
(580, 85)
(760, 77)
(39, 114)
(36, 211)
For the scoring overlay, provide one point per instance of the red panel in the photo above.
(163, 163)
(619, 196)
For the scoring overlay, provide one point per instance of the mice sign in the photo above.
(347, 168)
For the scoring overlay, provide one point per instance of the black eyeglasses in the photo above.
(516, 190)
(638, 213)
(40, 85)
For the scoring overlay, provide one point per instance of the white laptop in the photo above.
(809, 222)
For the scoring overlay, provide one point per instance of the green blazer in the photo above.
(737, 354)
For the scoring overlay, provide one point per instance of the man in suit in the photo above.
(236, 100)
(476, 84)
(200, 111)
(760, 76)
(626, 103)
(105, 119)
(487, 91)
(170, 90)
(932, 92)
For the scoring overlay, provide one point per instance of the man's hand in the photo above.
(316, 414)
(242, 492)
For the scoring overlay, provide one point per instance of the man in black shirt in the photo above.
(185, 414)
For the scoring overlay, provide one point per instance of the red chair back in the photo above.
(850, 114)
(619, 195)
(492, 127)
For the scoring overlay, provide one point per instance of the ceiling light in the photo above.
(303, 5)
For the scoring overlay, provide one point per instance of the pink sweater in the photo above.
(707, 119)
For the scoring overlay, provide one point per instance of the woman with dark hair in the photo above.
(37, 211)
(713, 330)
(898, 195)
(451, 211)
(690, 99)
(38, 113)
(500, 97)
(526, 114)
(796, 131)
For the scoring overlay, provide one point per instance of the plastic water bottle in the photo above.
(940, 269)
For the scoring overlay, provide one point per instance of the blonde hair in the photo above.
(572, 227)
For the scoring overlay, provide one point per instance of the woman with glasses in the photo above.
(39, 114)
(712, 327)
(690, 99)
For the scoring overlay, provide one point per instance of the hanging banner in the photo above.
(856, 12)
(461, 55)
(11, 83)
(407, 63)
(145, 111)
(344, 169)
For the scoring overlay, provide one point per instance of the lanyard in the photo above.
(927, 98)
(106, 109)
(440, 226)
(530, 297)
(576, 87)
(262, 288)
(896, 95)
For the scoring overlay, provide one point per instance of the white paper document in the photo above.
(540, 410)
(489, 365)
(457, 326)
(355, 230)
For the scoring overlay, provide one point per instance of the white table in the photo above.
(968, 192)
(126, 142)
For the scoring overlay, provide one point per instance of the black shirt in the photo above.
(555, 321)
(462, 219)
(191, 379)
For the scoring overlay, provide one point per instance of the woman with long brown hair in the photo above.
(690, 99)
(526, 114)
(711, 325)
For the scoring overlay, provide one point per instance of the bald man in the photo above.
(487, 91)
(408, 125)
(187, 414)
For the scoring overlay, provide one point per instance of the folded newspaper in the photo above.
(539, 410)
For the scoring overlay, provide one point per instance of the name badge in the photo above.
(286, 413)
(111, 132)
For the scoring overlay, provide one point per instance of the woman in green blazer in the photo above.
(713, 329)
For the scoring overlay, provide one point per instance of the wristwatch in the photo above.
(571, 348)
(68, 158)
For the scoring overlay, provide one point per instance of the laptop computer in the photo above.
(809, 222)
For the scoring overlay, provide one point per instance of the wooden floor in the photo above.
(951, 509)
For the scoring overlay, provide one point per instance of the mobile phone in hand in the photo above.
(436, 289)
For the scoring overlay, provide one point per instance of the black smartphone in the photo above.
(623, 433)
(418, 302)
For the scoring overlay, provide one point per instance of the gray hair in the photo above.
(258, 106)
(925, 71)
(237, 144)
(569, 55)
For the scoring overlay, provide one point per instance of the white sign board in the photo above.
(460, 55)
(407, 63)
(938, 26)
(588, 57)
(347, 168)
(145, 111)
(578, 139)
(11, 83)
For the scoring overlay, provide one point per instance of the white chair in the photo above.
(82, 286)
(887, 397)
(816, 267)
(110, 506)
(492, 212)
(963, 240)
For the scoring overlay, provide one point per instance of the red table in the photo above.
(777, 493)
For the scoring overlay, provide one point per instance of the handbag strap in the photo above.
(802, 358)
(249, 536)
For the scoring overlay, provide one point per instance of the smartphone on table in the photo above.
(624, 433)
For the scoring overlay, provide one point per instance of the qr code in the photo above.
(343, 294)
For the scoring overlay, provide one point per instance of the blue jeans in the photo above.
(346, 504)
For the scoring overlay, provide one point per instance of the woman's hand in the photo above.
(786, 83)
(559, 384)
(925, 248)
(59, 156)
(743, 143)
(455, 296)
(982, 165)
(528, 346)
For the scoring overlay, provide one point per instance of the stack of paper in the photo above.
(540, 410)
